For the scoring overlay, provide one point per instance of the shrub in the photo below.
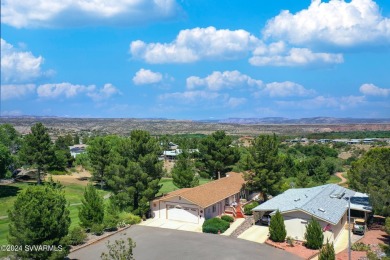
(111, 217)
(314, 236)
(248, 207)
(119, 250)
(213, 225)
(327, 252)
(97, 229)
(77, 236)
(387, 225)
(290, 241)
(359, 246)
(129, 218)
(92, 209)
(227, 218)
(277, 230)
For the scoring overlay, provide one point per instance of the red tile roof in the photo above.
(212, 192)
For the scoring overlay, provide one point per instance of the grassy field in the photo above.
(333, 179)
(73, 195)
(168, 185)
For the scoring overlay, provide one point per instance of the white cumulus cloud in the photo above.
(69, 90)
(62, 13)
(219, 80)
(16, 91)
(143, 77)
(337, 22)
(287, 88)
(235, 102)
(106, 92)
(191, 96)
(372, 90)
(281, 56)
(19, 66)
(195, 44)
(341, 103)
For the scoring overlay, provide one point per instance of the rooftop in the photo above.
(210, 193)
(327, 202)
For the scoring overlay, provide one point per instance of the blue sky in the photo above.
(195, 59)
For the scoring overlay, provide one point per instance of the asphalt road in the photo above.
(166, 244)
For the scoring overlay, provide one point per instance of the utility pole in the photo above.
(349, 228)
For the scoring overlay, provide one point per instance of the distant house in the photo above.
(172, 154)
(197, 204)
(77, 149)
(328, 204)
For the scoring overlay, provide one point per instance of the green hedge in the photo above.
(227, 218)
(129, 218)
(213, 225)
(248, 207)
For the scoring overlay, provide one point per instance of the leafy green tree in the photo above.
(313, 235)
(119, 250)
(99, 155)
(327, 252)
(39, 217)
(302, 180)
(92, 209)
(217, 155)
(277, 229)
(76, 139)
(183, 172)
(370, 174)
(387, 225)
(37, 149)
(5, 160)
(321, 174)
(10, 138)
(266, 172)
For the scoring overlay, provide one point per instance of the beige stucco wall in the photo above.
(296, 226)
(159, 208)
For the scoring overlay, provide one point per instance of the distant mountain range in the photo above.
(240, 121)
(303, 121)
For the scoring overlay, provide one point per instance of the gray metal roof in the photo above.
(327, 202)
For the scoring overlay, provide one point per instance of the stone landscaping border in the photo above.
(97, 239)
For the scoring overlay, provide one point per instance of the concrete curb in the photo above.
(73, 249)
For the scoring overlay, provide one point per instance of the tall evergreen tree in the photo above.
(37, 149)
(277, 229)
(92, 209)
(370, 174)
(135, 172)
(99, 154)
(183, 172)
(265, 166)
(217, 155)
(327, 252)
(313, 235)
(39, 217)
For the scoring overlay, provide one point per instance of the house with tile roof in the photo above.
(197, 204)
(328, 204)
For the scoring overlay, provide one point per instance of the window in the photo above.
(214, 208)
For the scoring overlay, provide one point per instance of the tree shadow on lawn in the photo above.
(8, 191)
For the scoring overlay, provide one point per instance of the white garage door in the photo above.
(182, 213)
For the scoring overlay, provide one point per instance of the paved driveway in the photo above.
(255, 233)
(172, 224)
(167, 244)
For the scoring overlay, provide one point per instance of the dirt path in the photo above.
(343, 180)
(80, 177)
